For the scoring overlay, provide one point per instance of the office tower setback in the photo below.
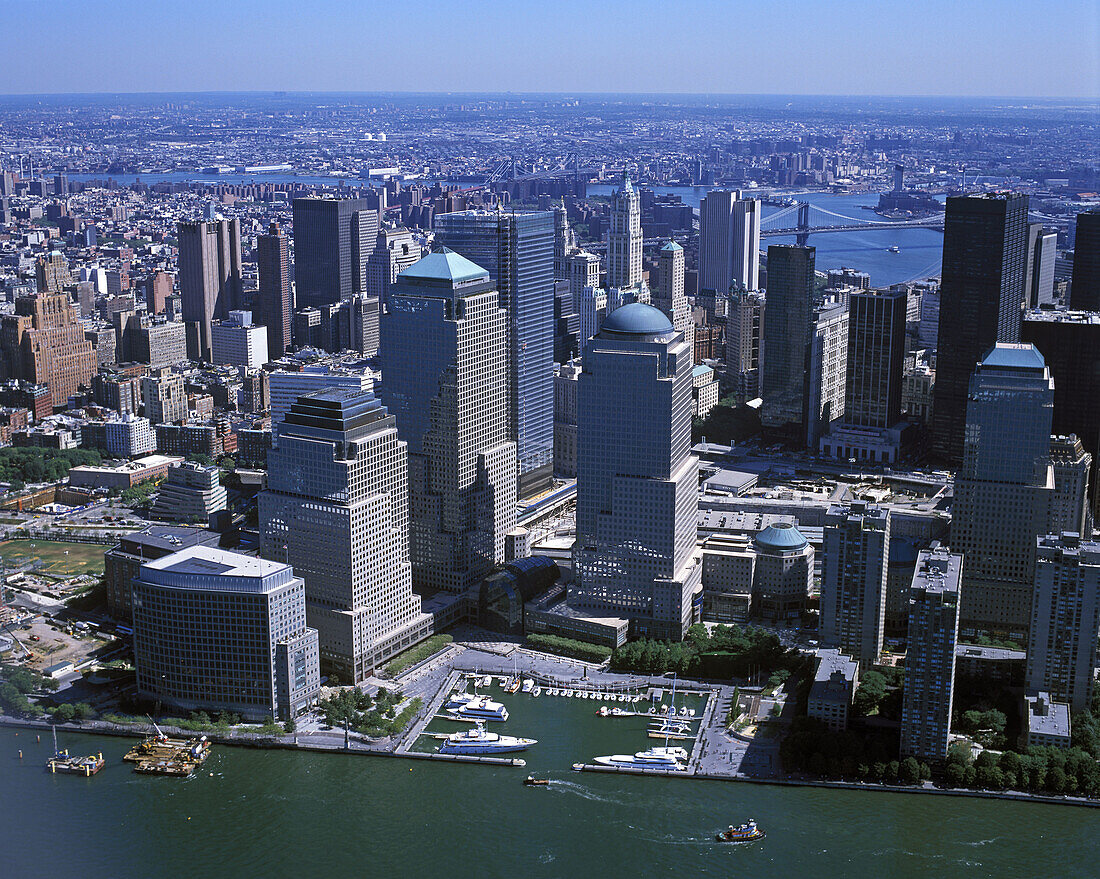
(333, 243)
(336, 508)
(221, 631)
(670, 296)
(444, 353)
(876, 357)
(517, 250)
(210, 278)
(276, 296)
(624, 237)
(637, 481)
(1084, 291)
(790, 298)
(1003, 490)
(853, 582)
(1065, 619)
(827, 368)
(930, 659)
(981, 295)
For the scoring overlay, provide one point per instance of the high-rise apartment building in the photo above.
(334, 240)
(337, 509)
(276, 296)
(1084, 291)
(826, 370)
(981, 297)
(1065, 619)
(669, 296)
(876, 358)
(790, 303)
(444, 352)
(210, 278)
(624, 237)
(744, 331)
(517, 250)
(853, 580)
(164, 398)
(930, 658)
(1003, 489)
(637, 481)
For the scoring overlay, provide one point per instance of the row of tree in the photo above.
(1042, 770)
(19, 466)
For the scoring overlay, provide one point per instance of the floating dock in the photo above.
(69, 765)
(161, 755)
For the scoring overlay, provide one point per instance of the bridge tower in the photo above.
(803, 223)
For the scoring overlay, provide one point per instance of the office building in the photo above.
(357, 324)
(190, 494)
(517, 250)
(337, 509)
(729, 568)
(210, 278)
(122, 562)
(221, 631)
(1046, 722)
(624, 237)
(158, 342)
(1003, 489)
(784, 573)
(981, 295)
(1041, 254)
(238, 342)
(164, 397)
(637, 481)
(565, 419)
(334, 240)
(158, 288)
(125, 436)
(444, 353)
(1069, 502)
(744, 330)
(583, 272)
(276, 296)
(51, 273)
(853, 580)
(876, 357)
(1084, 291)
(565, 242)
(826, 372)
(930, 659)
(286, 387)
(790, 303)
(669, 297)
(1065, 619)
(729, 242)
(395, 250)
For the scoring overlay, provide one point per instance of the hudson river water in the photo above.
(254, 813)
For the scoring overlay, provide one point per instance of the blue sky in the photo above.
(1040, 48)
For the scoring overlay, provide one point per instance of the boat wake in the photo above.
(584, 793)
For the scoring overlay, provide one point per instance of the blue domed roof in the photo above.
(636, 320)
(781, 537)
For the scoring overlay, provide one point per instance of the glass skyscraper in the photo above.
(517, 250)
(783, 351)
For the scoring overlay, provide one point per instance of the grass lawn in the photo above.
(417, 654)
(60, 559)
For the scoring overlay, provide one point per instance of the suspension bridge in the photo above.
(809, 218)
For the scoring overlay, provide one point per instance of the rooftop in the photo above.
(1013, 355)
(636, 321)
(781, 537)
(210, 561)
(445, 265)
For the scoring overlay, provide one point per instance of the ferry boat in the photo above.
(482, 708)
(478, 741)
(747, 832)
(664, 757)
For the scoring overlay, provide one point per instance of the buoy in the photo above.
(20, 755)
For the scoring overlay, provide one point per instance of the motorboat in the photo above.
(747, 832)
(531, 781)
(536, 692)
(528, 685)
(481, 708)
(895, 249)
(479, 741)
(457, 700)
(664, 757)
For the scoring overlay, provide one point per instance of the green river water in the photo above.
(255, 813)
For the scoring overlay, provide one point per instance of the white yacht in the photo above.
(478, 741)
(481, 708)
(457, 700)
(528, 685)
(536, 692)
(655, 758)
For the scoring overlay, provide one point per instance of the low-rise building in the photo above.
(123, 476)
(1046, 722)
(834, 685)
(191, 493)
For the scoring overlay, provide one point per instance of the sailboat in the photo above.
(660, 757)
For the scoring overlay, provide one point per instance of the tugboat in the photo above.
(747, 832)
(531, 781)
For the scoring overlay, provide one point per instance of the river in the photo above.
(261, 813)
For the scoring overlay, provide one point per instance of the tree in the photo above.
(955, 774)
(910, 771)
(1056, 780)
(871, 691)
(289, 726)
(65, 712)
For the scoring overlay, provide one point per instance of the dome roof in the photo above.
(635, 321)
(780, 537)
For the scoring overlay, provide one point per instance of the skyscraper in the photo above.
(637, 481)
(670, 296)
(1065, 619)
(981, 296)
(930, 658)
(336, 509)
(333, 243)
(1084, 291)
(826, 370)
(276, 297)
(210, 278)
(729, 242)
(1042, 252)
(564, 242)
(444, 352)
(790, 299)
(517, 250)
(744, 331)
(1003, 489)
(876, 356)
(1069, 504)
(624, 237)
(853, 582)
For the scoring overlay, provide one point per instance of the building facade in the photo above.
(276, 296)
(210, 278)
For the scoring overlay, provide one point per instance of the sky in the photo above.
(1037, 48)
